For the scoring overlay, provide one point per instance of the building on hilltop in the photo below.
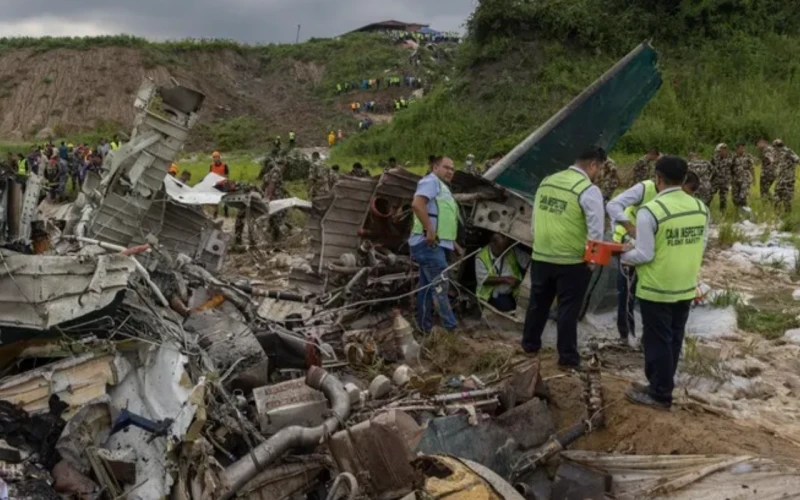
(391, 26)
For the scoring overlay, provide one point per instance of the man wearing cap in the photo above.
(433, 234)
(567, 211)
(219, 168)
(672, 232)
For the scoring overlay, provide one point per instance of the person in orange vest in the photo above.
(173, 170)
(219, 168)
(331, 139)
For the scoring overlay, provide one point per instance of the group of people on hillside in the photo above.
(385, 106)
(376, 83)
(420, 37)
(727, 172)
(62, 164)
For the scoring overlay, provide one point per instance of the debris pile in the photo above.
(135, 367)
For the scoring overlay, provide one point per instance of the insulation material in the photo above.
(76, 381)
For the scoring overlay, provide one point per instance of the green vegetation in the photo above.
(727, 298)
(770, 323)
(729, 74)
(730, 234)
(700, 363)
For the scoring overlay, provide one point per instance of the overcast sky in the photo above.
(244, 20)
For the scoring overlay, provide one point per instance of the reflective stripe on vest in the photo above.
(650, 192)
(446, 217)
(558, 218)
(218, 169)
(485, 256)
(679, 243)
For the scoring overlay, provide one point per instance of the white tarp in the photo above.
(203, 193)
(692, 477)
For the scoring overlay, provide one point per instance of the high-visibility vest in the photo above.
(484, 291)
(291, 136)
(218, 169)
(558, 219)
(679, 244)
(446, 217)
(114, 146)
(22, 167)
(650, 192)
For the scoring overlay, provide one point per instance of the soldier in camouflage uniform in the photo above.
(743, 165)
(704, 171)
(608, 179)
(469, 166)
(787, 161)
(643, 168)
(318, 178)
(238, 229)
(721, 177)
(273, 190)
(769, 166)
(334, 176)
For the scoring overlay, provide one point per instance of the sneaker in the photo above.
(644, 399)
(633, 343)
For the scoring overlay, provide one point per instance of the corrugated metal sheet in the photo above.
(342, 221)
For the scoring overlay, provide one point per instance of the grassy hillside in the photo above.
(730, 73)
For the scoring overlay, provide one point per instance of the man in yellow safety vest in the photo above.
(671, 237)
(433, 234)
(498, 274)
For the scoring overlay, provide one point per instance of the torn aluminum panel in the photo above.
(158, 389)
(183, 229)
(511, 218)
(42, 291)
(76, 381)
(389, 219)
(336, 229)
(136, 171)
(202, 193)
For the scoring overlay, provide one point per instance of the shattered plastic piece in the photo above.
(380, 387)
(354, 392)
(380, 450)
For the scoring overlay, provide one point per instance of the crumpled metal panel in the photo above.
(42, 291)
(342, 221)
(137, 169)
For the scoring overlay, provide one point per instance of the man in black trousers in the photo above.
(568, 210)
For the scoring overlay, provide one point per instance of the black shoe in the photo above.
(644, 399)
(640, 387)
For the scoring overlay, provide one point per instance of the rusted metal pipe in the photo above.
(236, 476)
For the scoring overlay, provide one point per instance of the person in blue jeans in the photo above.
(434, 232)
